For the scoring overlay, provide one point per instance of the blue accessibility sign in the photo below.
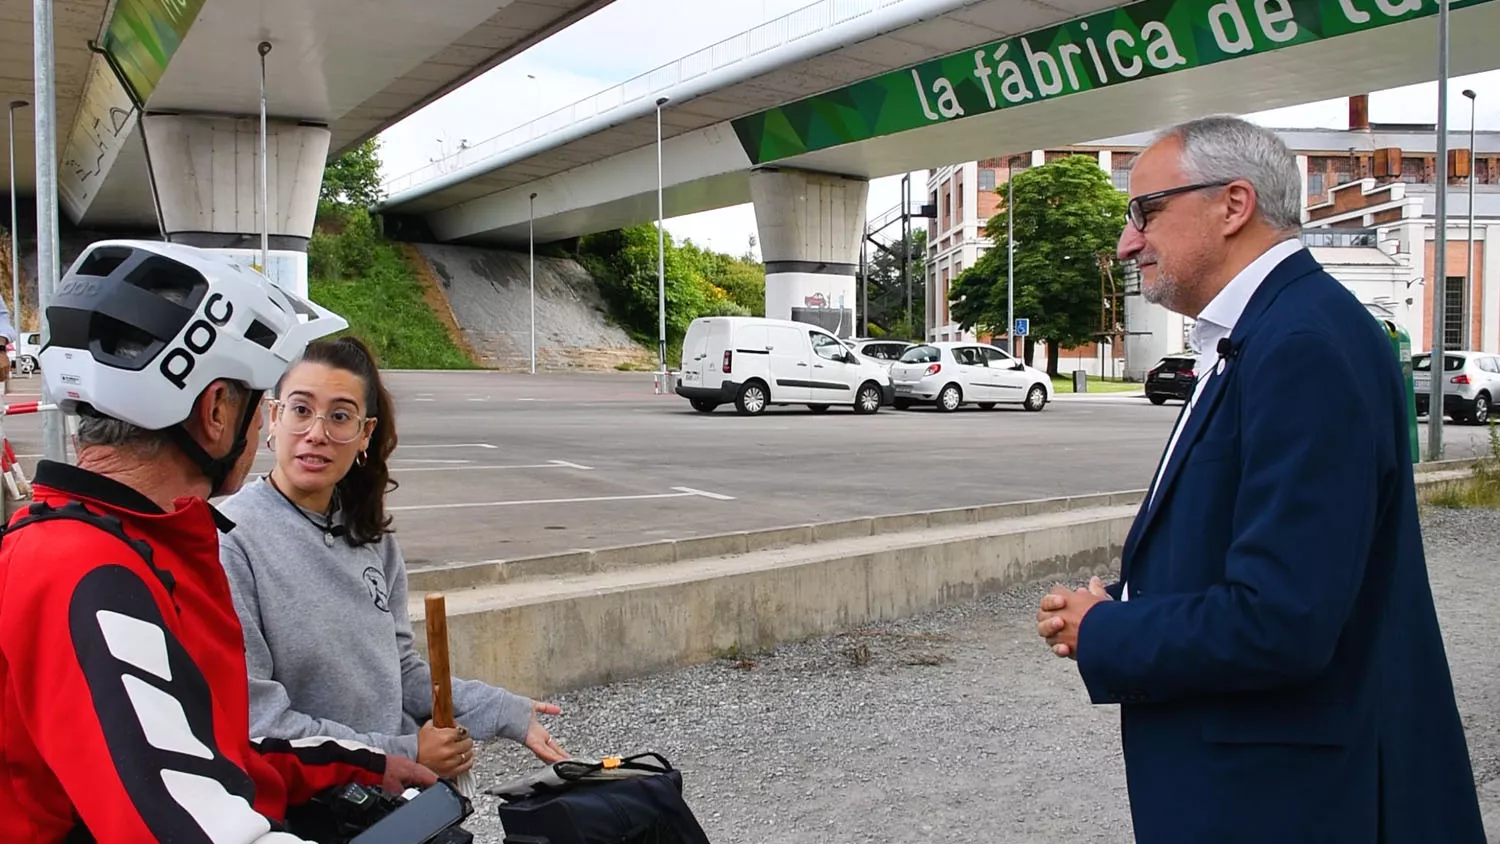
(1023, 326)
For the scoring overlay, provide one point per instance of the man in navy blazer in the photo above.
(1272, 641)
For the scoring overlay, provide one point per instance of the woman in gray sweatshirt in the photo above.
(320, 585)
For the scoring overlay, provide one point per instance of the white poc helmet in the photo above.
(139, 329)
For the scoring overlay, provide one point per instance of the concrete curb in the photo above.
(484, 573)
(545, 625)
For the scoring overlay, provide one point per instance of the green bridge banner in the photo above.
(1138, 41)
(143, 35)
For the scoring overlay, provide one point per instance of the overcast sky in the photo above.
(631, 37)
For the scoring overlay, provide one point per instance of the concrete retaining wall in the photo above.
(543, 636)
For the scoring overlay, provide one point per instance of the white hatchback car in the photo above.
(952, 374)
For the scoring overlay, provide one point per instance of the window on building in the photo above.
(1120, 178)
(1455, 314)
(1315, 185)
(1339, 237)
(1413, 170)
(986, 179)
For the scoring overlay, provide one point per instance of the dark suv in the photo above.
(1173, 378)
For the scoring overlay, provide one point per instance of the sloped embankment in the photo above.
(489, 299)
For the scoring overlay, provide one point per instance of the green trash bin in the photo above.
(1401, 346)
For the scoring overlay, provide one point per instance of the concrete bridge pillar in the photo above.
(207, 182)
(810, 229)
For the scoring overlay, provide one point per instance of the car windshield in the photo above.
(921, 354)
(1451, 363)
(1178, 364)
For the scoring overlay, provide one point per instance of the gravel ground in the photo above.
(958, 725)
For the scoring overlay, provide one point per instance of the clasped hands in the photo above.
(1062, 612)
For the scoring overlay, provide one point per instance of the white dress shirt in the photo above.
(1215, 323)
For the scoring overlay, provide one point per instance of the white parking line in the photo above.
(590, 500)
(453, 445)
(714, 495)
(572, 465)
(550, 464)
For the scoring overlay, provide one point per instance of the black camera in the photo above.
(359, 814)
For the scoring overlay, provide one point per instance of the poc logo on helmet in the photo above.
(200, 336)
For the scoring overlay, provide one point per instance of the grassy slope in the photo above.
(386, 308)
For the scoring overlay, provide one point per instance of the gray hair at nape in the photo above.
(1223, 148)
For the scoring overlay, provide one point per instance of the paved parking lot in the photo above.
(498, 465)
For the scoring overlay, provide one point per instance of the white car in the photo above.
(754, 362)
(26, 355)
(882, 352)
(952, 374)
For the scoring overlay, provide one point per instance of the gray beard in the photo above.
(1163, 292)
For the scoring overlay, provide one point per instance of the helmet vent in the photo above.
(261, 334)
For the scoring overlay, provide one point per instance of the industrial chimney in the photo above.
(1359, 112)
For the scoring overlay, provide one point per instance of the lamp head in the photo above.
(663, 101)
(15, 104)
(1469, 92)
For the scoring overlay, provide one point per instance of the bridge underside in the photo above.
(709, 168)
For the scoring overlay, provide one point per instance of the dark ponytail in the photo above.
(361, 493)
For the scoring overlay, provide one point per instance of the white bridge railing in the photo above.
(817, 17)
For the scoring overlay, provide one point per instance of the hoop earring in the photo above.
(270, 442)
(359, 459)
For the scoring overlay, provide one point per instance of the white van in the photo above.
(754, 362)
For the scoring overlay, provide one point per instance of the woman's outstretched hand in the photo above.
(541, 742)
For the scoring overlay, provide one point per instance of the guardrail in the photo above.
(815, 18)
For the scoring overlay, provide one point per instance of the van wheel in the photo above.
(867, 400)
(950, 398)
(818, 408)
(752, 399)
(703, 405)
(986, 405)
(1036, 398)
(901, 404)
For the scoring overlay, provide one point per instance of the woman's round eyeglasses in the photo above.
(340, 425)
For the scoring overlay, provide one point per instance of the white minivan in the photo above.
(754, 362)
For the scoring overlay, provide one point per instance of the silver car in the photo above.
(1471, 381)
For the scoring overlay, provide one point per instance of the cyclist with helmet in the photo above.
(124, 709)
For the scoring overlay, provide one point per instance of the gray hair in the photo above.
(96, 429)
(1222, 148)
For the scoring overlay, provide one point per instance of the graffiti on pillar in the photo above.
(817, 300)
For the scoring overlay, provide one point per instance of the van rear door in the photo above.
(696, 364)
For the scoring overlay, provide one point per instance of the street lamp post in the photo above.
(661, 252)
(15, 236)
(1010, 253)
(531, 241)
(44, 69)
(1469, 261)
(1440, 250)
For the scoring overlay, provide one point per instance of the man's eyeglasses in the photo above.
(1140, 214)
(340, 424)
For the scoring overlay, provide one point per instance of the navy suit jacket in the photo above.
(1279, 668)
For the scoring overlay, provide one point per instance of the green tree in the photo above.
(887, 291)
(624, 264)
(1067, 215)
(353, 179)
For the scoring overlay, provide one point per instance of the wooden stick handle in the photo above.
(437, 660)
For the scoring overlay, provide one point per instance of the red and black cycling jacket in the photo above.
(124, 703)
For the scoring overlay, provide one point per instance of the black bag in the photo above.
(619, 801)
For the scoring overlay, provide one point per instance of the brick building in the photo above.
(1369, 200)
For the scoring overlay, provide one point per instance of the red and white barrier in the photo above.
(17, 487)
